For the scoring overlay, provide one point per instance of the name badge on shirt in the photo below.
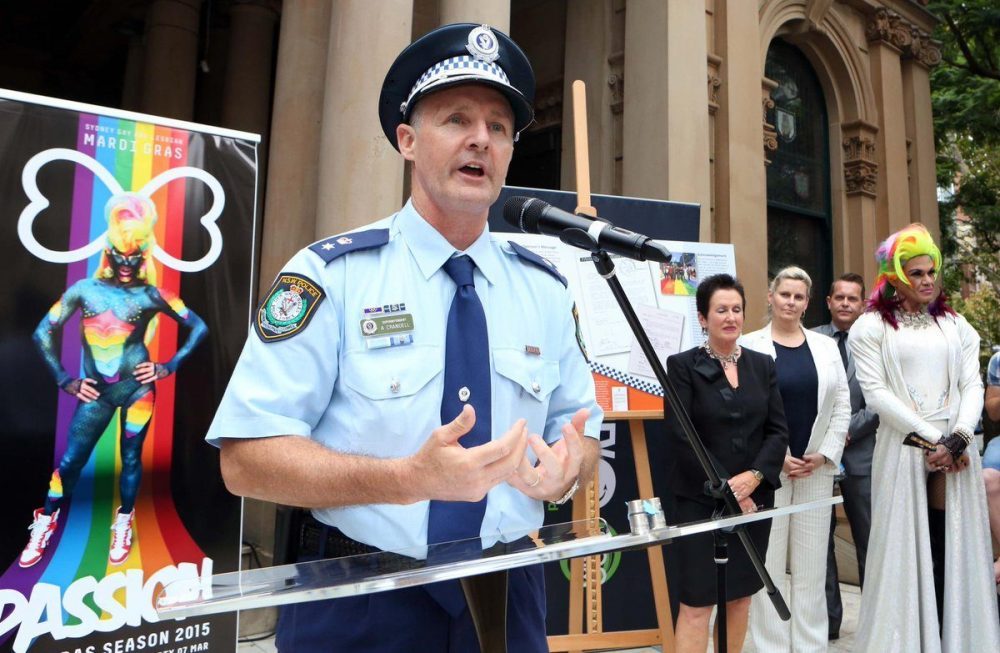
(388, 325)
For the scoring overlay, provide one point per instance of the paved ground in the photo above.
(850, 594)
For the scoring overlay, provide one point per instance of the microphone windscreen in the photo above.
(523, 213)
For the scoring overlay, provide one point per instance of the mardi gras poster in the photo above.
(126, 260)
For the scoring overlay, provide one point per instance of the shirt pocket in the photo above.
(392, 372)
(525, 384)
(537, 377)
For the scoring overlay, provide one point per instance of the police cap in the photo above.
(461, 53)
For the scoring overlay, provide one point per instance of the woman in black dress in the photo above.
(731, 395)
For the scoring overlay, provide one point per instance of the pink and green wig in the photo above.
(892, 254)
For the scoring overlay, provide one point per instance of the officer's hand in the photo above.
(447, 471)
(558, 466)
(83, 389)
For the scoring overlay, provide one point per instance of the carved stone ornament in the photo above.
(860, 168)
(714, 82)
(925, 50)
(548, 105)
(616, 81)
(888, 26)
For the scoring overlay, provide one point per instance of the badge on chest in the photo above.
(388, 325)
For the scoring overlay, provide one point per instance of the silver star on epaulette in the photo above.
(328, 246)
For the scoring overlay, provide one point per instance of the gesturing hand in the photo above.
(558, 466)
(447, 471)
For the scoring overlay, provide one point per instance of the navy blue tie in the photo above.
(466, 380)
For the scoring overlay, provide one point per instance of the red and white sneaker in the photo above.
(41, 529)
(121, 538)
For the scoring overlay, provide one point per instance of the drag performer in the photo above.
(119, 308)
(917, 363)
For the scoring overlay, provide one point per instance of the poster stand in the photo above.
(585, 573)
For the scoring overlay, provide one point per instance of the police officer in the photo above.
(419, 380)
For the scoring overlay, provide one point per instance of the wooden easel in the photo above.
(585, 574)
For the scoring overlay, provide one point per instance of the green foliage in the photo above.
(982, 310)
(966, 103)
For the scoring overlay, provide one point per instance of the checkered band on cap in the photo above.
(455, 68)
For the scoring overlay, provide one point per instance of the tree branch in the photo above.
(971, 62)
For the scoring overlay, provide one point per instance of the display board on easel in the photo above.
(664, 297)
(663, 294)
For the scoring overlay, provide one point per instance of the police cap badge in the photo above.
(461, 53)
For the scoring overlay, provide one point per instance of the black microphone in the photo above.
(534, 216)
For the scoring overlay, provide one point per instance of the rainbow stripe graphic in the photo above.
(134, 152)
(677, 287)
(106, 334)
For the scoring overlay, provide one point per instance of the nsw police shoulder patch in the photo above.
(290, 304)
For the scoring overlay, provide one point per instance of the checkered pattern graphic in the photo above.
(631, 381)
(463, 65)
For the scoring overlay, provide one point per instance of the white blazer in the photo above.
(833, 401)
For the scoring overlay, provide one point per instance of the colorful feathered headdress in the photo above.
(131, 218)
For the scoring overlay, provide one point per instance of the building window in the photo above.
(798, 177)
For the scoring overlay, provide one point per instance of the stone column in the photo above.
(887, 35)
(170, 63)
(360, 173)
(740, 175)
(293, 161)
(922, 55)
(132, 82)
(495, 13)
(666, 141)
(588, 50)
(860, 183)
(247, 86)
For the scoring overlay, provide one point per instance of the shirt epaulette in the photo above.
(529, 256)
(334, 247)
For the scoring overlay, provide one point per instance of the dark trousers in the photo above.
(403, 620)
(857, 493)
(408, 620)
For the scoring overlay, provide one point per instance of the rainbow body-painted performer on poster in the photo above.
(119, 308)
(918, 365)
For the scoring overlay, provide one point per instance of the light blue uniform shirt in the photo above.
(993, 370)
(327, 384)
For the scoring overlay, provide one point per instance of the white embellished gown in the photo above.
(924, 380)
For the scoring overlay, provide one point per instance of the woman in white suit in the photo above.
(813, 387)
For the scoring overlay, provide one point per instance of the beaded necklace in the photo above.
(724, 359)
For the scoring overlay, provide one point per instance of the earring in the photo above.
(704, 331)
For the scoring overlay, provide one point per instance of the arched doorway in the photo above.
(798, 177)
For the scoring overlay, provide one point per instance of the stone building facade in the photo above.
(812, 167)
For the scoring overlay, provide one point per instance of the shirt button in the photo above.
(394, 386)
(536, 387)
(464, 394)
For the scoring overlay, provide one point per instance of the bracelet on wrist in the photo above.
(955, 444)
(569, 493)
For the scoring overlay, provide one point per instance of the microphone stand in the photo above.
(716, 487)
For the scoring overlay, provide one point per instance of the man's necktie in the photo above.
(466, 380)
(842, 346)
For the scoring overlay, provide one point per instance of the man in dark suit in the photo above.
(846, 303)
